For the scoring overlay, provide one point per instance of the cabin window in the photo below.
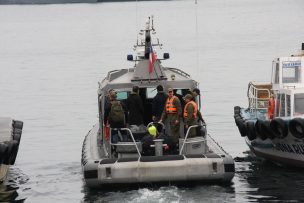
(299, 104)
(291, 72)
(151, 92)
(122, 95)
(288, 105)
(281, 104)
(276, 73)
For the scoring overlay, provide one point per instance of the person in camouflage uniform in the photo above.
(190, 115)
(172, 112)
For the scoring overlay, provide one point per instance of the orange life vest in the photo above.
(186, 107)
(170, 108)
(271, 108)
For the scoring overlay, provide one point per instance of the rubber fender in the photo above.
(241, 126)
(17, 131)
(279, 127)
(296, 127)
(6, 159)
(237, 110)
(251, 134)
(236, 117)
(3, 152)
(18, 124)
(258, 130)
(14, 152)
(17, 137)
(265, 128)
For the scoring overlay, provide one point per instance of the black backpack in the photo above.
(116, 115)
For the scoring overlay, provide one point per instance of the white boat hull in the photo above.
(99, 170)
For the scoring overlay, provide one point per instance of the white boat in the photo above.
(10, 135)
(105, 163)
(273, 124)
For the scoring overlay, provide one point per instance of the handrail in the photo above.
(127, 129)
(253, 98)
(193, 126)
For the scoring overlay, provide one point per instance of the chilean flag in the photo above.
(152, 59)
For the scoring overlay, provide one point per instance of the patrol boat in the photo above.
(105, 163)
(10, 135)
(273, 123)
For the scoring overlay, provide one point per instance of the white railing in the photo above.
(256, 103)
(124, 143)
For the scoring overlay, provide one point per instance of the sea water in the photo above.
(52, 57)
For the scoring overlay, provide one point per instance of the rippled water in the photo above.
(52, 56)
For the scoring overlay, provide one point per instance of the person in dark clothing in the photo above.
(116, 135)
(197, 93)
(158, 103)
(107, 105)
(135, 107)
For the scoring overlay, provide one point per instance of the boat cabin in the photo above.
(287, 88)
(147, 73)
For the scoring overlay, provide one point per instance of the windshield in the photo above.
(291, 72)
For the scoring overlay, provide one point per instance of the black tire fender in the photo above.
(14, 152)
(241, 125)
(259, 131)
(3, 152)
(18, 124)
(296, 127)
(279, 128)
(265, 128)
(251, 133)
(6, 158)
(17, 137)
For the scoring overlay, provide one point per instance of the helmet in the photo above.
(152, 130)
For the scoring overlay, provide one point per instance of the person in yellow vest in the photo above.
(172, 112)
(190, 115)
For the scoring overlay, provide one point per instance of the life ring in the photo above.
(241, 126)
(296, 127)
(265, 128)
(251, 134)
(259, 131)
(279, 127)
(271, 106)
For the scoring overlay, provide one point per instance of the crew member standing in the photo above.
(172, 112)
(195, 94)
(190, 115)
(158, 103)
(135, 107)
